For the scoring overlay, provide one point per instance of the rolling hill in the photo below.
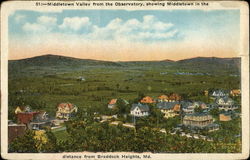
(55, 62)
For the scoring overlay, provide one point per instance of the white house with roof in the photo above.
(139, 110)
(187, 107)
(226, 104)
(169, 109)
(219, 93)
(224, 101)
(65, 110)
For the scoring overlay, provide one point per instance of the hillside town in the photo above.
(196, 117)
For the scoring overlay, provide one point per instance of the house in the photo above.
(225, 117)
(235, 92)
(41, 116)
(169, 109)
(200, 121)
(187, 107)
(40, 121)
(26, 117)
(112, 103)
(219, 93)
(224, 101)
(227, 108)
(65, 110)
(139, 110)
(147, 99)
(163, 98)
(15, 130)
(174, 97)
(171, 98)
(177, 108)
(226, 104)
(33, 120)
(21, 109)
(200, 104)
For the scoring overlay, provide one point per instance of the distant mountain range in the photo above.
(201, 63)
(55, 60)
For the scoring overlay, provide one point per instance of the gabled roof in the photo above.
(177, 107)
(201, 114)
(225, 99)
(175, 96)
(142, 107)
(24, 108)
(147, 99)
(220, 92)
(235, 91)
(185, 104)
(163, 97)
(113, 101)
(166, 105)
(200, 104)
(66, 105)
(226, 114)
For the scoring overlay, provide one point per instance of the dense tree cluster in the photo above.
(86, 135)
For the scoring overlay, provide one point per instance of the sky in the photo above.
(122, 35)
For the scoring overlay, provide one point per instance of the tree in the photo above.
(214, 112)
(117, 86)
(198, 109)
(24, 144)
(127, 88)
(139, 97)
(51, 144)
(157, 116)
(171, 123)
(122, 106)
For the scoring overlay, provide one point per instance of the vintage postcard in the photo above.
(124, 80)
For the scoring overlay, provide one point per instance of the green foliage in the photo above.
(123, 108)
(198, 109)
(24, 144)
(51, 144)
(232, 128)
(171, 123)
(215, 112)
(103, 137)
(44, 85)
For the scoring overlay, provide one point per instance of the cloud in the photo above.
(33, 27)
(149, 29)
(45, 20)
(42, 24)
(75, 23)
(20, 17)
